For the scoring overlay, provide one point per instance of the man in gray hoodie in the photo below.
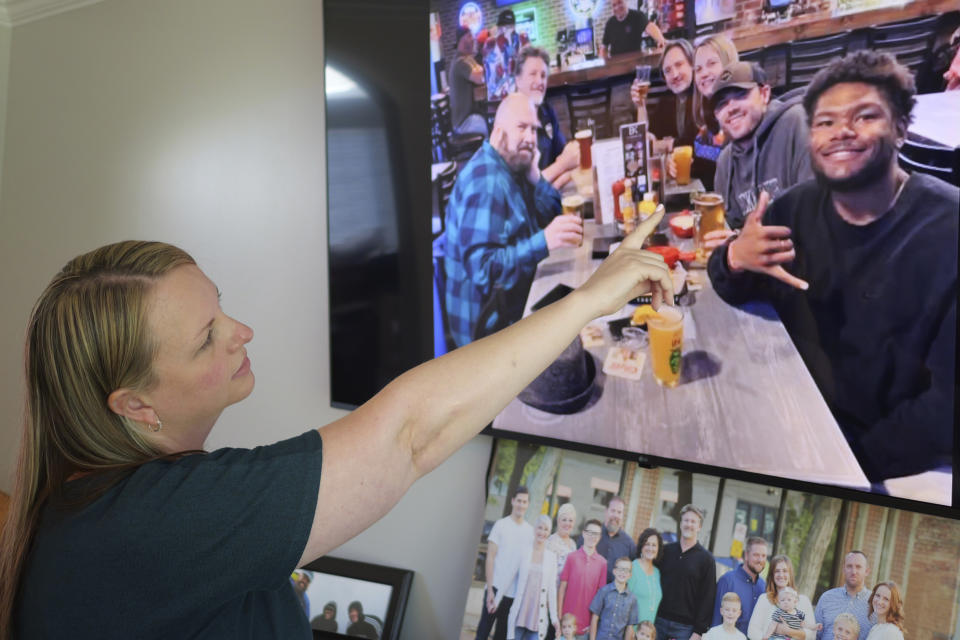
(769, 148)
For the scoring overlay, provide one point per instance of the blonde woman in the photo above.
(122, 527)
(534, 608)
(560, 542)
(779, 576)
(710, 56)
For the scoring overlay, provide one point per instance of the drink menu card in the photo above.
(633, 138)
(608, 161)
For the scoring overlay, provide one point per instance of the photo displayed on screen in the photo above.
(574, 543)
(791, 328)
(337, 604)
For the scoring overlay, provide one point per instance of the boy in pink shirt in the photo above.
(584, 573)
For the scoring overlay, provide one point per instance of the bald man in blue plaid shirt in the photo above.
(501, 221)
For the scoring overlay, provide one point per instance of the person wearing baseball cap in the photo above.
(465, 74)
(769, 141)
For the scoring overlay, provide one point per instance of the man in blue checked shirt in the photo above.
(501, 221)
(853, 597)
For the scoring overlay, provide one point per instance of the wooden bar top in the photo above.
(764, 35)
(818, 25)
(612, 66)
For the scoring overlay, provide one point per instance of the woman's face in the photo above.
(201, 365)
(565, 524)
(542, 532)
(706, 69)
(650, 548)
(781, 575)
(881, 602)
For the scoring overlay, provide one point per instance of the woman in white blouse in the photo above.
(560, 543)
(886, 612)
(779, 576)
(534, 608)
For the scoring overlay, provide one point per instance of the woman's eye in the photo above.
(208, 341)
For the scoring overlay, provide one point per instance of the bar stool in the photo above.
(935, 160)
(448, 145)
(806, 57)
(910, 41)
(593, 102)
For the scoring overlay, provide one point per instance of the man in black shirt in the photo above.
(688, 578)
(624, 31)
(871, 296)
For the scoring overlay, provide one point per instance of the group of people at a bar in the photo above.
(604, 585)
(857, 256)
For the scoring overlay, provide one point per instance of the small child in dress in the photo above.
(646, 631)
(568, 626)
(846, 627)
(787, 613)
(730, 608)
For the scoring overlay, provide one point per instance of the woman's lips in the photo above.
(244, 368)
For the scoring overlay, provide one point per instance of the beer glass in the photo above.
(711, 216)
(683, 158)
(665, 331)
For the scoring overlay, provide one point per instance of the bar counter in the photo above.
(614, 66)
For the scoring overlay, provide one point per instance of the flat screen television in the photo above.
(380, 203)
(378, 193)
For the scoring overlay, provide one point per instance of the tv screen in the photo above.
(378, 193)
(381, 206)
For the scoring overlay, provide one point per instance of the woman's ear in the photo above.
(130, 404)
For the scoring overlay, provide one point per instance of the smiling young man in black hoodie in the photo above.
(870, 298)
(769, 149)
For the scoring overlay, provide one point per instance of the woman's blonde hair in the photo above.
(87, 337)
(728, 54)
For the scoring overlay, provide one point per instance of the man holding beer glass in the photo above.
(870, 299)
(501, 221)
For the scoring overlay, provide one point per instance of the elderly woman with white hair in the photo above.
(534, 607)
(560, 542)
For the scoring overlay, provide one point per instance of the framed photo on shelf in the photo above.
(344, 598)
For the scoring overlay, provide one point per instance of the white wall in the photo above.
(201, 124)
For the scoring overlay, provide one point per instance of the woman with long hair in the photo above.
(534, 609)
(711, 55)
(644, 580)
(122, 526)
(779, 575)
(886, 611)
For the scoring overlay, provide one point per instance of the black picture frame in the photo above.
(398, 580)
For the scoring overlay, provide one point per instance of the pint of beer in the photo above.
(585, 139)
(573, 205)
(666, 345)
(683, 158)
(711, 216)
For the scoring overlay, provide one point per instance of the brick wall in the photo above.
(930, 601)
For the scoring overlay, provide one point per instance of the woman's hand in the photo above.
(630, 271)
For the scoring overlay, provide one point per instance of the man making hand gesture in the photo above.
(876, 325)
